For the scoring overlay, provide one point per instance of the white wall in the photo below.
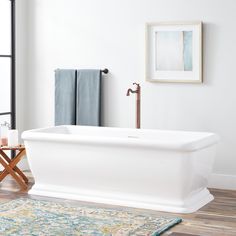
(21, 67)
(21, 62)
(110, 33)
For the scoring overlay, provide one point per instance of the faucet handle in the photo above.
(136, 84)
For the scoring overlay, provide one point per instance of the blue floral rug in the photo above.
(35, 218)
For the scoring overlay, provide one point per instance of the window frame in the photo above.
(12, 56)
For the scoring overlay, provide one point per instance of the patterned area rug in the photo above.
(33, 217)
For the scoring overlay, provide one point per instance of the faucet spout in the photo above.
(130, 91)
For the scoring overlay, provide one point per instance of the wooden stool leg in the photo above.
(12, 172)
(19, 172)
(9, 168)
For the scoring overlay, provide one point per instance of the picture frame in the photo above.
(174, 52)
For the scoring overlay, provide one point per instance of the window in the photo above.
(7, 62)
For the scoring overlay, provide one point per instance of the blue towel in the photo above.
(88, 97)
(65, 99)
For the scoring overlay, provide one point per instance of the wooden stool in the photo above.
(10, 165)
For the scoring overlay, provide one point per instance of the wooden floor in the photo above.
(218, 218)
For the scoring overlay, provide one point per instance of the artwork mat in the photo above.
(194, 76)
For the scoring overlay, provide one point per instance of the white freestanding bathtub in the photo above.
(152, 169)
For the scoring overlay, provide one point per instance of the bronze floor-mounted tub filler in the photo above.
(138, 96)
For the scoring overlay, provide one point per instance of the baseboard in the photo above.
(221, 181)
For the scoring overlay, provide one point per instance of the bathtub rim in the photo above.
(36, 135)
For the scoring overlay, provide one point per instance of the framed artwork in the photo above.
(174, 52)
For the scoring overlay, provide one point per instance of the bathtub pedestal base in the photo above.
(188, 206)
